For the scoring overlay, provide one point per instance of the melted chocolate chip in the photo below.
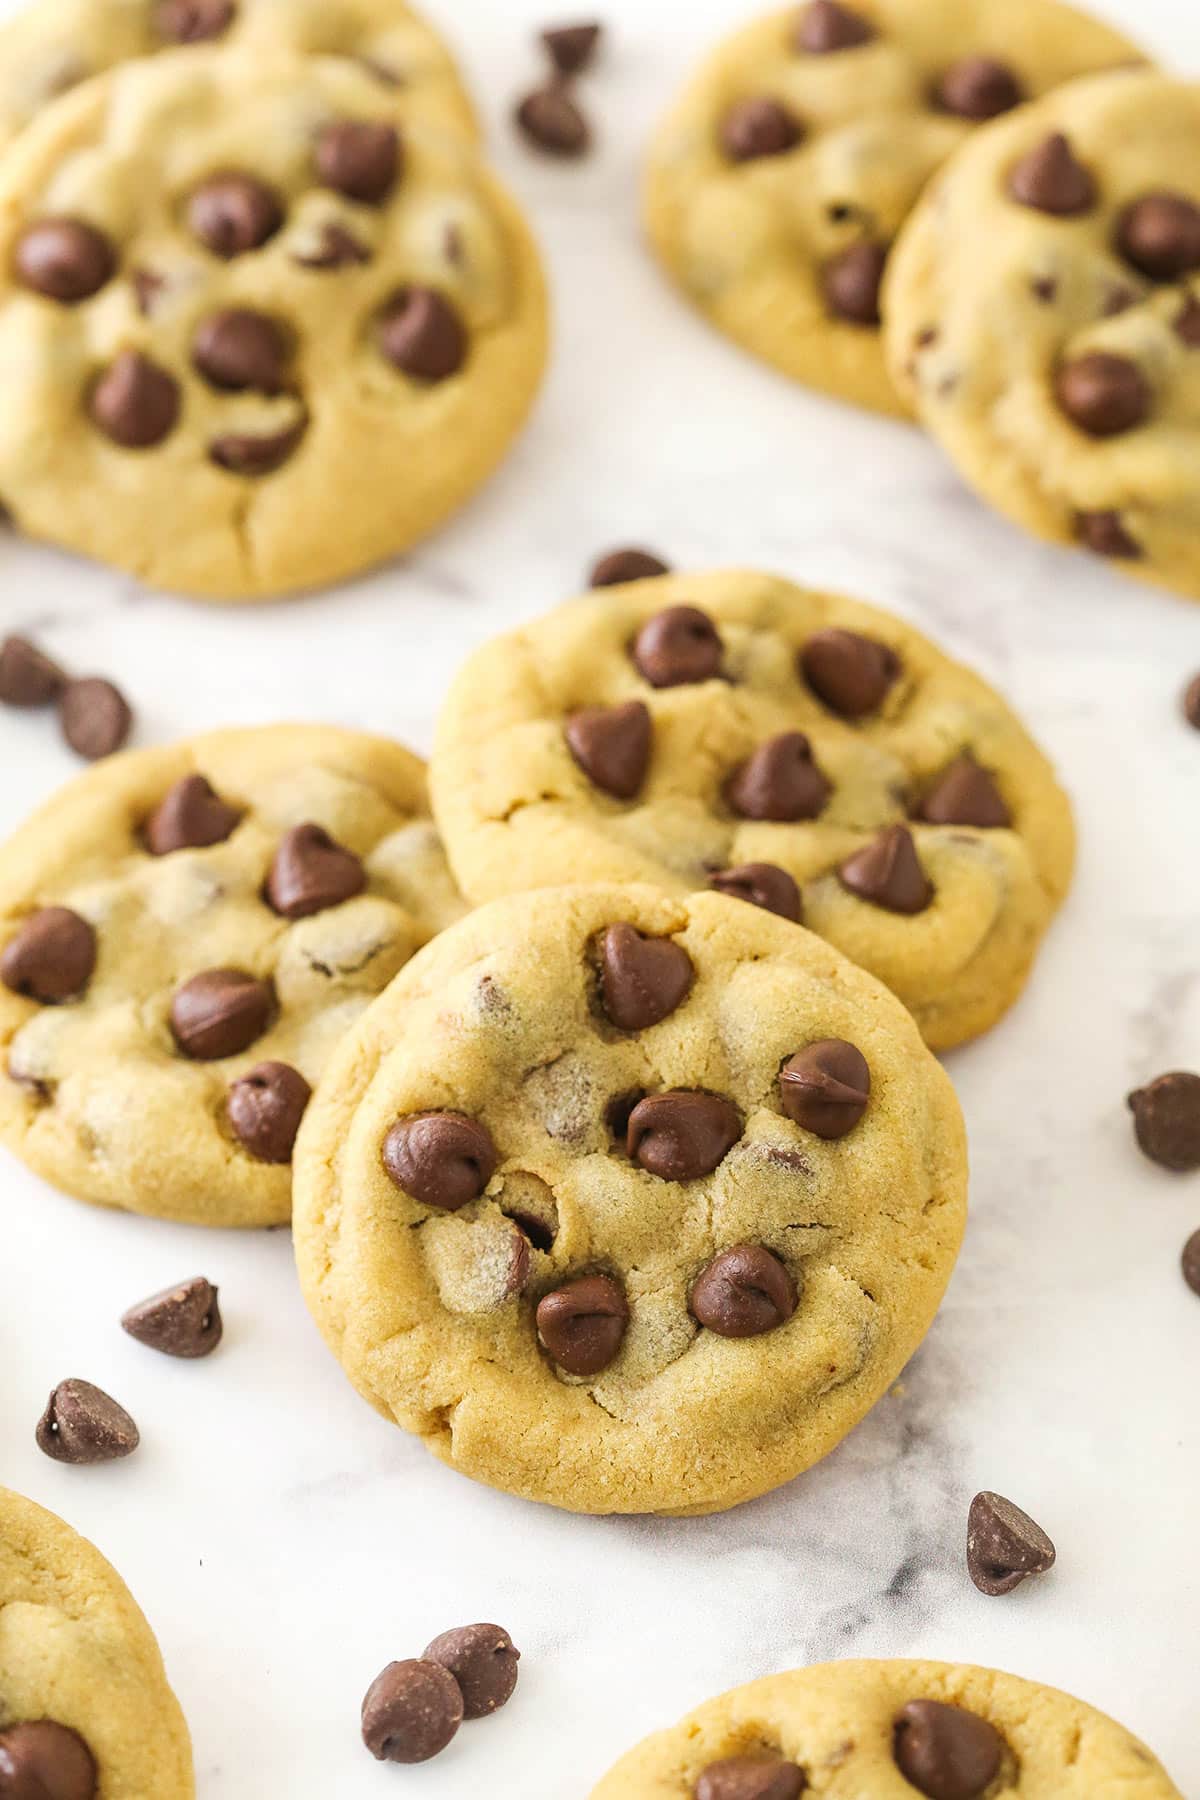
(360, 159)
(251, 453)
(946, 1752)
(483, 1660)
(1004, 1545)
(759, 127)
(826, 1087)
(239, 349)
(1103, 394)
(979, 87)
(42, 1760)
(190, 816)
(310, 872)
(612, 744)
(965, 794)
(421, 333)
(582, 1325)
(440, 1159)
(825, 27)
(683, 1134)
(1104, 533)
(779, 782)
(851, 281)
(1160, 235)
(333, 248)
(751, 1778)
(64, 259)
(888, 873)
(744, 1292)
(134, 402)
(82, 1424)
(411, 1712)
(851, 674)
(233, 213)
(52, 957)
(1051, 180)
(620, 566)
(265, 1107)
(761, 884)
(182, 1321)
(550, 120)
(219, 1013)
(642, 979)
(678, 646)
(27, 676)
(1166, 1120)
(193, 21)
(572, 48)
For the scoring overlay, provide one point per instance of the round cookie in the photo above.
(297, 862)
(83, 1691)
(256, 336)
(628, 1203)
(54, 45)
(891, 1730)
(1057, 356)
(707, 726)
(778, 182)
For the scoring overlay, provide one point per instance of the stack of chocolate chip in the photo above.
(413, 1709)
(550, 116)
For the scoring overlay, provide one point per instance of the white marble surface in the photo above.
(284, 1541)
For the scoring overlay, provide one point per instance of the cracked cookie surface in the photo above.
(185, 933)
(891, 1729)
(779, 180)
(77, 1655)
(696, 727)
(629, 1203)
(261, 330)
(1060, 365)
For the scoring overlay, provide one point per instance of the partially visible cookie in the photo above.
(780, 179)
(261, 328)
(85, 1709)
(54, 45)
(184, 935)
(1056, 354)
(628, 1203)
(793, 748)
(891, 1730)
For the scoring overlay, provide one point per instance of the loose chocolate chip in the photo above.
(190, 816)
(95, 717)
(1190, 1262)
(620, 566)
(411, 1712)
(1004, 1545)
(311, 872)
(1104, 533)
(888, 873)
(946, 1752)
(266, 1106)
(239, 349)
(642, 979)
(744, 1292)
(979, 87)
(250, 453)
(219, 1013)
(551, 121)
(441, 1159)
(751, 1778)
(678, 646)
(759, 127)
(421, 333)
(483, 1660)
(683, 1134)
(1160, 235)
(134, 402)
(1186, 322)
(27, 677)
(83, 1424)
(612, 745)
(182, 1321)
(849, 673)
(1191, 703)
(360, 158)
(825, 1087)
(232, 214)
(965, 794)
(1166, 1121)
(571, 47)
(193, 21)
(1103, 394)
(1051, 180)
(66, 260)
(826, 26)
(52, 957)
(582, 1326)
(780, 782)
(41, 1760)
(851, 281)
(334, 248)
(761, 884)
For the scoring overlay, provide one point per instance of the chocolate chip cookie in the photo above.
(629, 1203)
(891, 1730)
(780, 179)
(1057, 357)
(800, 751)
(259, 333)
(85, 1709)
(184, 935)
(53, 45)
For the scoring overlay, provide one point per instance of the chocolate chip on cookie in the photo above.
(757, 127)
(193, 21)
(642, 979)
(551, 120)
(265, 1107)
(979, 87)
(359, 158)
(826, 1087)
(182, 1321)
(421, 333)
(256, 453)
(190, 816)
(612, 746)
(311, 872)
(683, 1134)
(888, 873)
(1004, 1545)
(1103, 394)
(64, 259)
(761, 884)
(825, 26)
(42, 1760)
(28, 677)
(1166, 1119)
(483, 1660)
(850, 673)
(851, 281)
(678, 646)
(441, 1159)
(779, 782)
(135, 402)
(95, 717)
(233, 213)
(751, 1778)
(617, 567)
(1190, 1262)
(1105, 533)
(239, 349)
(743, 1292)
(946, 1752)
(1159, 234)
(1051, 179)
(411, 1712)
(219, 1013)
(581, 1326)
(965, 793)
(83, 1424)
(52, 957)
(331, 247)
(572, 48)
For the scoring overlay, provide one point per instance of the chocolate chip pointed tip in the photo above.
(421, 333)
(219, 1013)
(759, 126)
(1050, 179)
(849, 673)
(1004, 1545)
(643, 980)
(310, 872)
(135, 403)
(183, 1321)
(979, 87)
(779, 782)
(612, 745)
(888, 873)
(677, 647)
(483, 1660)
(190, 816)
(82, 1424)
(965, 793)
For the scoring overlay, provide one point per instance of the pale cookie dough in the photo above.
(744, 761)
(255, 335)
(632, 1263)
(891, 1730)
(76, 1653)
(1044, 317)
(97, 1094)
(778, 182)
(53, 45)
